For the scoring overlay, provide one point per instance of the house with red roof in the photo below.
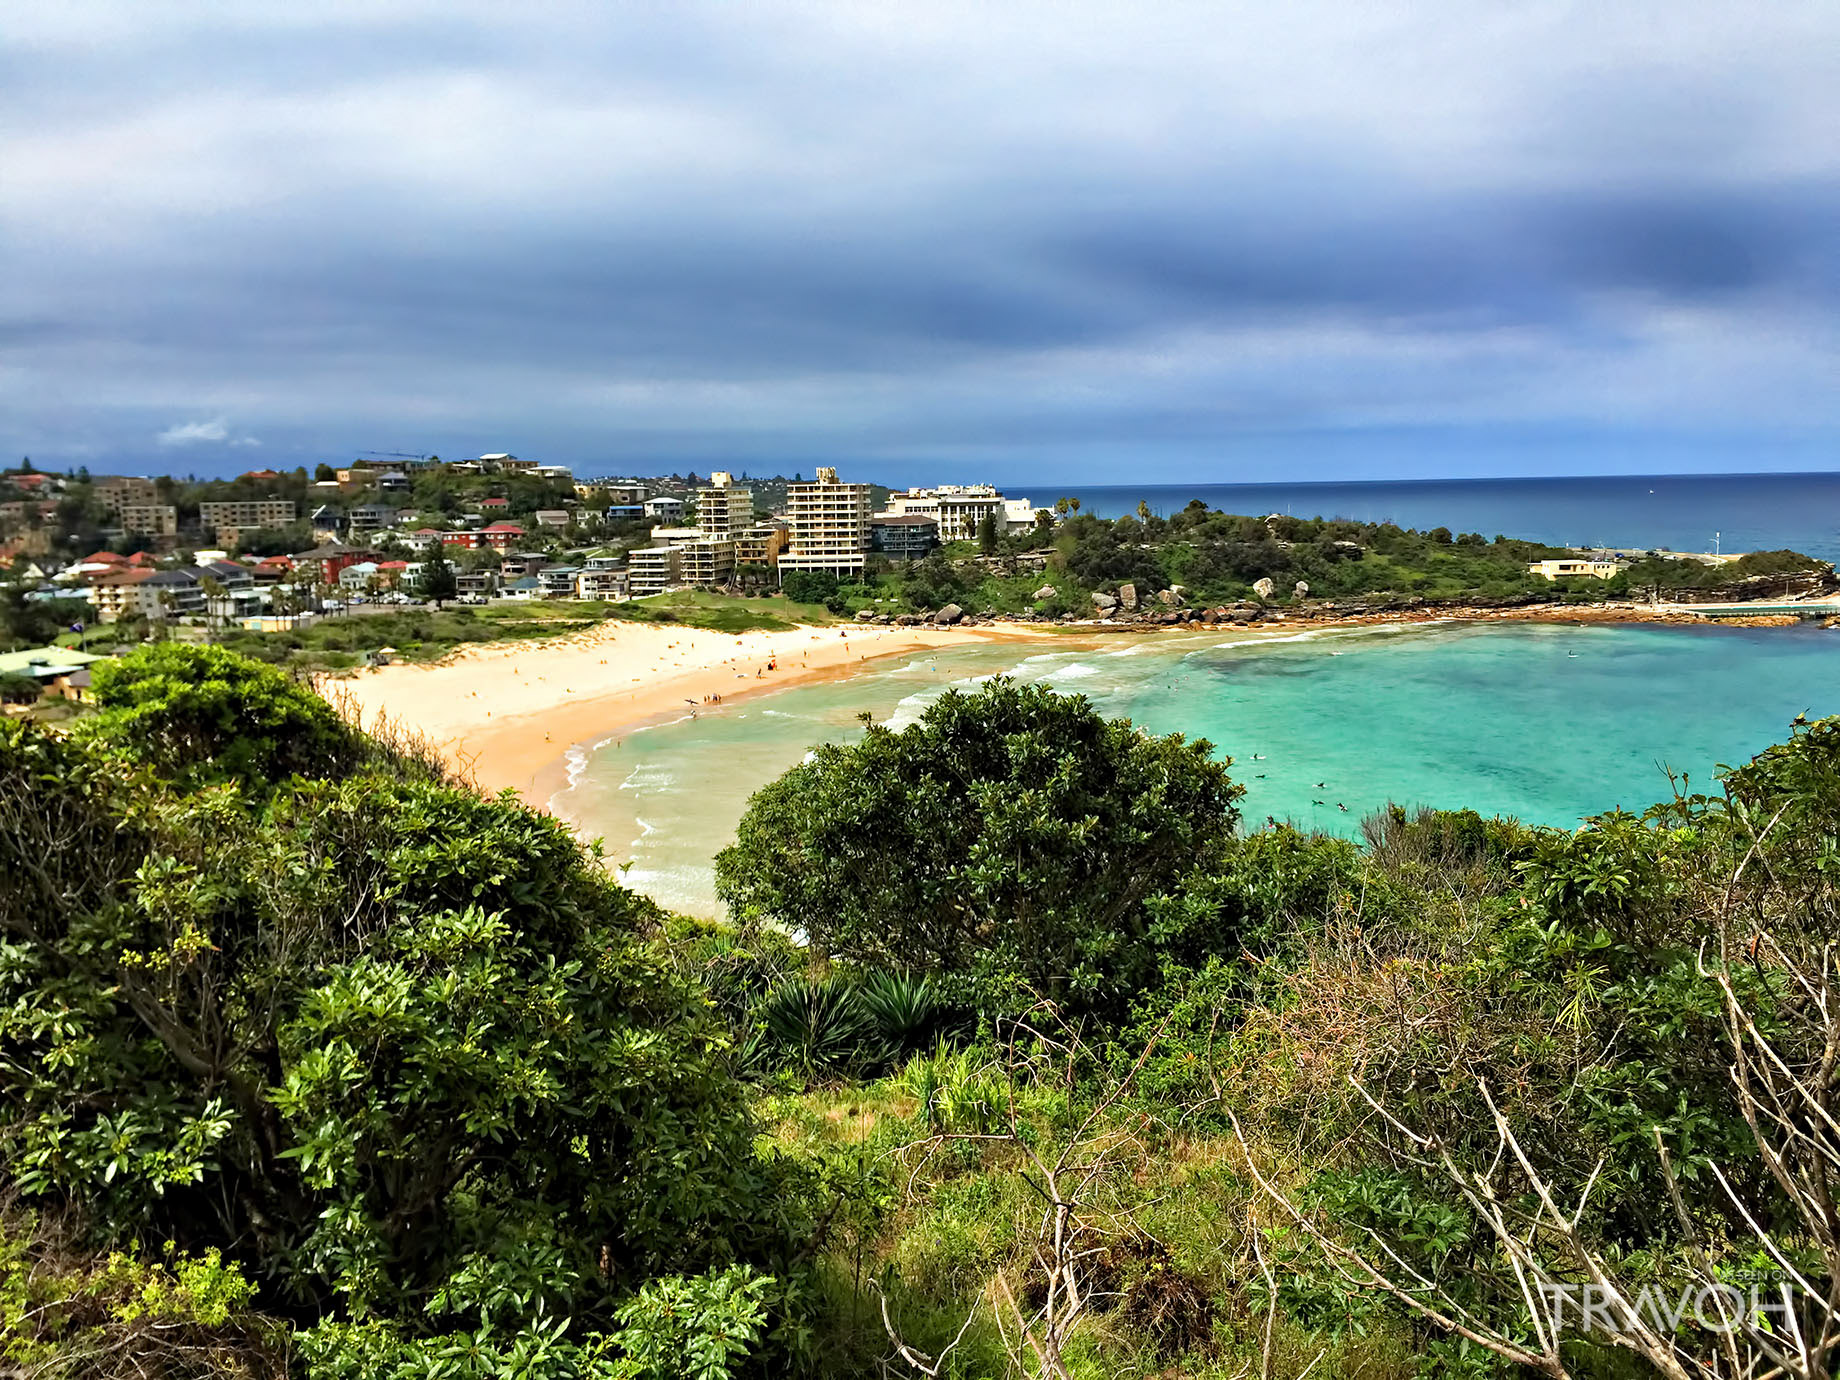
(502, 536)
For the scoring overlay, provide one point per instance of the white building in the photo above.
(723, 510)
(664, 509)
(652, 570)
(830, 525)
(959, 508)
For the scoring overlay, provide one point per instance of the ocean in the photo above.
(1680, 512)
(1546, 723)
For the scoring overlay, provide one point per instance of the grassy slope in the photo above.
(427, 635)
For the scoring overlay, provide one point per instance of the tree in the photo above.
(809, 586)
(438, 581)
(324, 474)
(201, 714)
(1011, 839)
(402, 1052)
(987, 534)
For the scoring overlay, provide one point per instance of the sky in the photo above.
(1062, 242)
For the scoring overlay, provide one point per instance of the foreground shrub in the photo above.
(201, 714)
(1012, 840)
(403, 1053)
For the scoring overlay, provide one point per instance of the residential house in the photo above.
(328, 522)
(175, 593)
(495, 505)
(521, 563)
(501, 536)
(476, 582)
(466, 541)
(361, 577)
(552, 517)
(325, 563)
(371, 517)
(665, 509)
(393, 482)
(526, 587)
(558, 581)
(606, 583)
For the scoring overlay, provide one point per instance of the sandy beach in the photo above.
(507, 713)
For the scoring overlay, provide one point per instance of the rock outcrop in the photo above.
(951, 613)
(1263, 587)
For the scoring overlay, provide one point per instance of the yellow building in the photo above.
(1574, 567)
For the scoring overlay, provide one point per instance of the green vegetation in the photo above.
(1012, 840)
(724, 613)
(401, 1055)
(314, 1063)
(421, 634)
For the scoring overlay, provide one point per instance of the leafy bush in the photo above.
(202, 714)
(407, 1053)
(1012, 839)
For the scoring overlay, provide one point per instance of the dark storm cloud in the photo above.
(991, 237)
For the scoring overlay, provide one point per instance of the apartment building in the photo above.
(150, 519)
(830, 525)
(653, 569)
(117, 491)
(903, 536)
(229, 519)
(762, 543)
(724, 510)
(118, 594)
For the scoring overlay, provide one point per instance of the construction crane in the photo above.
(398, 454)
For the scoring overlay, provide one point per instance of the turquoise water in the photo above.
(1542, 722)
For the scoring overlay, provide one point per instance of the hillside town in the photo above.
(272, 548)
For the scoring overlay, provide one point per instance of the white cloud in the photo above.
(215, 432)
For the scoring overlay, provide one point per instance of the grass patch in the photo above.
(720, 612)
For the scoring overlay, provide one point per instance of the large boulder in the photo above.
(1127, 595)
(1301, 590)
(1263, 587)
(1045, 592)
(1104, 603)
(865, 615)
(951, 613)
(1169, 598)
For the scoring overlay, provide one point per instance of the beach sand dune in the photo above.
(507, 713)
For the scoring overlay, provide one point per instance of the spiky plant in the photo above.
(819, 1026)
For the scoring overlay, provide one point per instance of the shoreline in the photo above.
(506, 715)
(505, 730)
